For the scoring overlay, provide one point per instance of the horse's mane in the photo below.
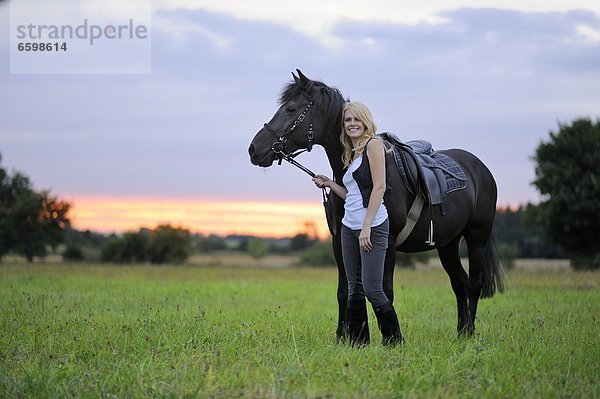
(323, 97)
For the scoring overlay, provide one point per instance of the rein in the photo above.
(290, 158)
(278, 148)
(330, 213)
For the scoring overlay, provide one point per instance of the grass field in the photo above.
(145, 331)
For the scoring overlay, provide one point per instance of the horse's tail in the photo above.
(493, 272)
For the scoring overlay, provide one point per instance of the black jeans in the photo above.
(364, 270)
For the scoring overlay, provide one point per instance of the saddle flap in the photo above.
(436, 174)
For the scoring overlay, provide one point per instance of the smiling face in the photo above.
(357, 129)
(353, 126)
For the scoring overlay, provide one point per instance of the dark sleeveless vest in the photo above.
(362, 175)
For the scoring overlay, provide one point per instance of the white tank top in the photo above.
(354, 211)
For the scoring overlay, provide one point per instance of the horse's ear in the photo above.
(296, 78)
(303, 79)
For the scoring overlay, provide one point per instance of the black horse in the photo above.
(310, 113)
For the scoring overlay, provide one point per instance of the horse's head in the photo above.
(308, 111)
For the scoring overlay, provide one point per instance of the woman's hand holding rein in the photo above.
(322, 181)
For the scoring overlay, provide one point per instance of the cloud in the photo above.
(492, 81)
(591, 34)
(182, 29)
(317, 19)
(73, 11)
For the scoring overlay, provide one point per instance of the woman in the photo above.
(365, 226)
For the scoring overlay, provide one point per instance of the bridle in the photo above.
(282, 136)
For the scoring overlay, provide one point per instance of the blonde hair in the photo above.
(362, 112)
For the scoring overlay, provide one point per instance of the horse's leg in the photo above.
(388, 270)
(342, 291)
(459, 281)
(477, 241)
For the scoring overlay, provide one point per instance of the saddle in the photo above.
(424, 169)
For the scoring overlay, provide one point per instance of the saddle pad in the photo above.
(455, 176)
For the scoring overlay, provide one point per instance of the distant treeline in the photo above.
(520, 235)
(168, 244)
(36, 223)
(517, 234)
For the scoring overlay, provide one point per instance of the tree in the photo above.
(129, 248)
(134, 246)
(568, 176)
(169, 244)
(29, 220)
(520, 236)
(11, 189)
(300, 242)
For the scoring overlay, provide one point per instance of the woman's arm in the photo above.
(322, 181)
(376, 154)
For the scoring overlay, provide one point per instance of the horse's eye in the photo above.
(291, 108)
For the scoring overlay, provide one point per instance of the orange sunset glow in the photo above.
(264, 219)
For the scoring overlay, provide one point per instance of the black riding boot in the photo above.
(387, 320)
(357, 322)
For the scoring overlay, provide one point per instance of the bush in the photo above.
(586, 262)
(165, 244)
(257, 248)
(320, 254)
(169, 245)
(507, 254)
(300, 242)
(113, 250)
(73, 254)
(409, 260)
(130, 248)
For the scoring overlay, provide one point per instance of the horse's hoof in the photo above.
(466, 331)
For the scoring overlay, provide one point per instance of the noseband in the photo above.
(278, 146)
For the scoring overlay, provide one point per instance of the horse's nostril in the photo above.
(251, 150)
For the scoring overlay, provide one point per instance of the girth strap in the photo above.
(412, 218)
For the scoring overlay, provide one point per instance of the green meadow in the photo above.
(103, 331)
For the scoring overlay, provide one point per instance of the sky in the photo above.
(166, 140)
